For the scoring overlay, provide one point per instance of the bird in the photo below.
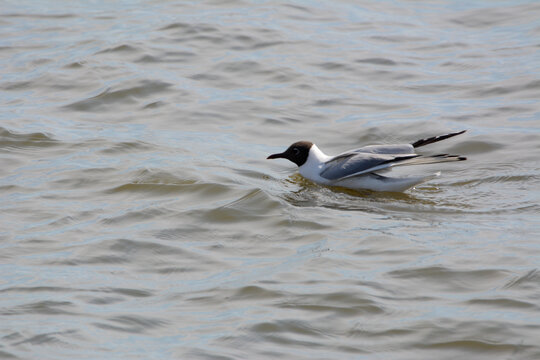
(359, 169)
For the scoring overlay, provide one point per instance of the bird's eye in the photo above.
(296, 151)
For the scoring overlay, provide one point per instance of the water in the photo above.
(139, 218)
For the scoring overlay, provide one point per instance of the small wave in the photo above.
(45, 307)
(338, 303)
(10, 139)
(206, 76)
(166, 188)
(126, 246)
(107, 97)
(254, 198)
(277, 329)
(76, 65)
(167, 57)
(441, 46)
(524, 88)
(496, 179)
(129, 217)
(527, 281)
(282, 120)
(335, 66)
(135, 293)
(497, 16)
(399, 38)
(377, 61)
(40, 16)
(257, 45)
(35, 289)
(186, 28)
(126, 147)
(502, 303)
(17, 85)
(154, 105)
(203, 39)
(236, 67)
(443, 87)
(136, 324)
(451, 280)
(51, 338)
(119, 49)
(255, 293)
(226, 216)
(471, 346)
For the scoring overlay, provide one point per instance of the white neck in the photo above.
(315, 154)
(311, 168)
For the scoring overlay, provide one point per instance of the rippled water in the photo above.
(140, 219)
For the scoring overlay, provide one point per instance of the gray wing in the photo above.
(383, 149)
(359, 162)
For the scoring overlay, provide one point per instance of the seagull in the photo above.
(360, 168)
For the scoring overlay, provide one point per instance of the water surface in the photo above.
(139, 218)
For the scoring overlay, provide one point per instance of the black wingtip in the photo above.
(448, 156)
(434, 139)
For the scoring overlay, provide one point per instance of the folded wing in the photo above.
(357, 163)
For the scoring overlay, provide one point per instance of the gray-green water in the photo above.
(139, 218)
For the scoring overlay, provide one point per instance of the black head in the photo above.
(297, 152)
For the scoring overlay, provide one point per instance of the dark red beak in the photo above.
(276, 156)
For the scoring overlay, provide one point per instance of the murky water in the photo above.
(139, 218)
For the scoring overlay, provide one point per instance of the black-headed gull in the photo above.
(359, 168)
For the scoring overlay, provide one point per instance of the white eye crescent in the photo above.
(296, 151)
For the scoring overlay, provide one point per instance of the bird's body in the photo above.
(360, 168)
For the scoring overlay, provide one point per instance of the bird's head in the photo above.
(297, 152)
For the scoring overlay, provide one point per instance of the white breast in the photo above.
(313, 166)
